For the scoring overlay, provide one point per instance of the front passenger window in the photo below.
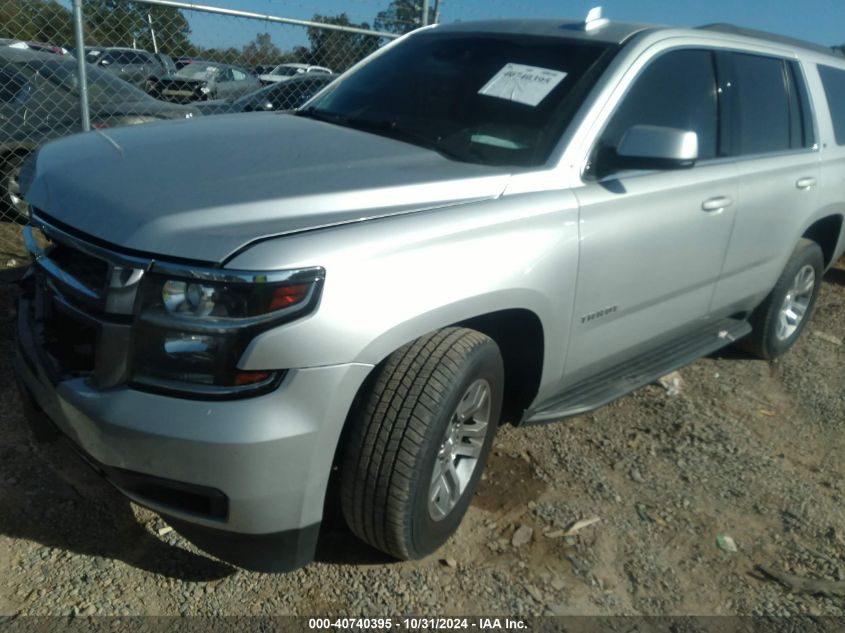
(676, 90)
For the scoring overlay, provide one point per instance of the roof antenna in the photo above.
(594, 20)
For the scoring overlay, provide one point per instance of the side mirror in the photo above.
(104, 62)
(656, 147)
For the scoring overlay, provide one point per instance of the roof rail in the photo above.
(771, 37)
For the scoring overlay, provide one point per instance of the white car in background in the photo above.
(34, 46)
(283, 72)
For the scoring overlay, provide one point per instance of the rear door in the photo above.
(652, 242)
(226, 88)
(243, 82)
(774, 145)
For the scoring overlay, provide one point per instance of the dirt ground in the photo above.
(749, 450)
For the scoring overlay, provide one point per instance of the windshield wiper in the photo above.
(383, 127)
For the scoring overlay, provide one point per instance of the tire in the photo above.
(774, 322)
(406, 427)
(12, 207)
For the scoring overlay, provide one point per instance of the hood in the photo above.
(203, 189)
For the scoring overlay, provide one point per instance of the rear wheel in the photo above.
(419, 443)
(779, 320)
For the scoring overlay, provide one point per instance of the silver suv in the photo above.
(516, 220)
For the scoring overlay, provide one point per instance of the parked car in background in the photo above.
(138, 67)
(204, 81)
(287, 95)
(40, 47)
(283, 72)
(39, 101)
(263, 69)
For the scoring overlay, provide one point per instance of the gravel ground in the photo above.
(750, 450)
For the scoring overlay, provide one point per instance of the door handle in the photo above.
(716, 204)
(807, 182)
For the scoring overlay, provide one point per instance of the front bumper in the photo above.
(244, 479)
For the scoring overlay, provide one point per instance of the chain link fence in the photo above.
(148, 60)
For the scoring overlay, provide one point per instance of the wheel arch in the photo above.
(827, 233)
(520, 336)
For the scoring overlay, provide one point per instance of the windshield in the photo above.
(500, 99)
(197, 71)
(166, 62)
(102, 86)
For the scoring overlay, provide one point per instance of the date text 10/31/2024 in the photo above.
(417, 623)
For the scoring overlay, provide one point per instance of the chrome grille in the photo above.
(82, 303)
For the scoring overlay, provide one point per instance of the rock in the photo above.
(534, 593)
(557, 584)
(672, 383)
(449, 562)
(522, 536)
(830, 338)
(636, 476)
(563, 609)
(726, 543)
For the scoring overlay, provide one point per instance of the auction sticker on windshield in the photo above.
(523, 84)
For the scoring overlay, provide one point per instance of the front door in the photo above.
(652, 242)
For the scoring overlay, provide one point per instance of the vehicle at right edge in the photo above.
(510, 220)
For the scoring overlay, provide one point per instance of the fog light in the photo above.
(194, 346)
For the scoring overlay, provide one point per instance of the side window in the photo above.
(11, 85)
(677, 90)
(238, 75)
(833, 80)
(766, 111)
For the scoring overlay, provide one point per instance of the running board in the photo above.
(613, 383)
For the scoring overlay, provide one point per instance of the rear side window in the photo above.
(769, 106)
(833, 80)
(677, 90)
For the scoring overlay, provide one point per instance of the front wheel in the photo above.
(420, 440)
(779, 320)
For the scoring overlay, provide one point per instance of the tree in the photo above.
(402, 16)
(172, 31)
(336, 49)
(261, 51)
(36, 20)
(121, 23)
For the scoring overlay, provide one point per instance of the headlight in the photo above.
(205, 90)
(194, 325)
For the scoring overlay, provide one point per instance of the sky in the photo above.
(820, 21)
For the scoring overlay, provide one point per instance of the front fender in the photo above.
(392, 280)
